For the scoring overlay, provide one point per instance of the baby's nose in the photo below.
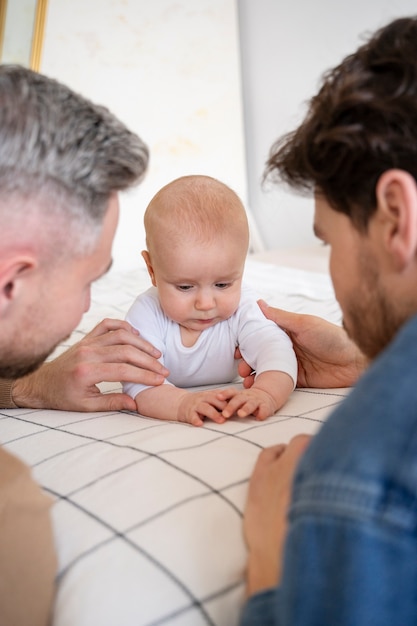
(205, 301)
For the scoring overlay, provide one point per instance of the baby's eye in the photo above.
(223, 285)
(184, 287)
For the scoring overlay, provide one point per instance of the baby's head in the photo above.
(197, 239)
(197, 208)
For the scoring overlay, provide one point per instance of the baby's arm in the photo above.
(269, 392)
(167, 402)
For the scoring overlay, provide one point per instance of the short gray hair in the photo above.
(58, 147)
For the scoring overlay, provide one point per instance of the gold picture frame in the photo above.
(37, 16)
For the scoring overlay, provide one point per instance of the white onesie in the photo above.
(210, 361)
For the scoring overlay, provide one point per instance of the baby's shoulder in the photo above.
(146, 306)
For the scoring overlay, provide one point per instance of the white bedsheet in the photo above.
(148, 514)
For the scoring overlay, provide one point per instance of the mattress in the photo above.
(148, 514)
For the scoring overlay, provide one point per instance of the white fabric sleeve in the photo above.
(146, 316)
(263, 344)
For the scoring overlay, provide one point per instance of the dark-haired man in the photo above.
(331, 523)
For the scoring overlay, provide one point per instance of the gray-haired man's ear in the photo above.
(13, 272)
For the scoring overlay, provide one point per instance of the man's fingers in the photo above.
(115, 358)
(296, 448)
(109, 324)
(110, 402)
(113, 332)
(272, 453)
(248, 381)
(293, 451)
(116, 372)
(279, 316)
(244, 369)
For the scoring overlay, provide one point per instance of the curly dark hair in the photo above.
(362, 122)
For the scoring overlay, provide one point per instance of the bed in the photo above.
(148, 514)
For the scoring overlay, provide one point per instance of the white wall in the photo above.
(171, 71)
(18, 29)
(285, 47)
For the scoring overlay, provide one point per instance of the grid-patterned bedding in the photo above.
(148, 514)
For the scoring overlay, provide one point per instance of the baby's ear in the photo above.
(147, 258)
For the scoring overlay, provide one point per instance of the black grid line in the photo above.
(118, 535)
(213, 596)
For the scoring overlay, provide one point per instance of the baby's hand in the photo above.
(244, 402)
(194, 407)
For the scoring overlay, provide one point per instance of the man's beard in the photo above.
(372, 320)
(21, 366)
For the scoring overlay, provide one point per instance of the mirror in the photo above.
(21, 31)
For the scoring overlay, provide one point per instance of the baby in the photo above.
(197, 312)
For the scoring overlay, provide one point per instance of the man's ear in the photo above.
(396, 194)
(13, 272)
(148, 262)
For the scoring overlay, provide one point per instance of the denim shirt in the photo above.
(351, 552)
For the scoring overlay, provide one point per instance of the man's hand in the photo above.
(265, 518)
(112, 352)
(326, 357)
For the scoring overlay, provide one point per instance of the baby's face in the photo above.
(199, 284)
